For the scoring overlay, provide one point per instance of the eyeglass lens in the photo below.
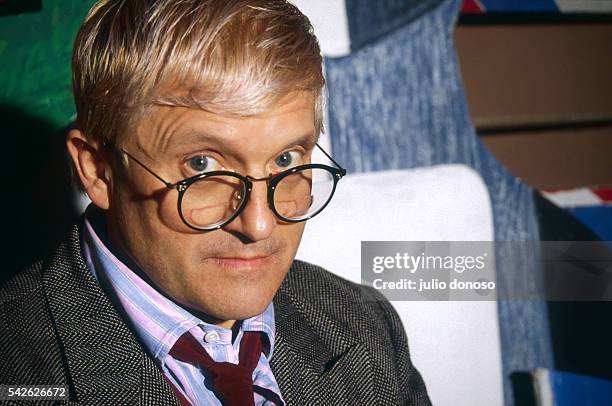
(211, 201)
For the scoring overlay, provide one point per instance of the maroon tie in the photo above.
(232, 383)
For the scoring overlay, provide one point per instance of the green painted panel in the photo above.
(35, 54)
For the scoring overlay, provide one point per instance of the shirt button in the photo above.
(211, 337)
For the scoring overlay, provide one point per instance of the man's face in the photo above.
(231, 273)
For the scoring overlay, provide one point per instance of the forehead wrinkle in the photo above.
(171, 129)
(165, 122)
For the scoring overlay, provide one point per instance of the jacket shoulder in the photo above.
(26, 283)
(28, 340)
(318, 285)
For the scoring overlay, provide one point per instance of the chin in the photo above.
(246, 309)
(234, 294)
(237, 305)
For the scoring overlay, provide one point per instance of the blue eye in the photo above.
(284, 160)
(199, 163)
(202, 163)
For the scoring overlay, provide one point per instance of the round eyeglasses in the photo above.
(211, 200)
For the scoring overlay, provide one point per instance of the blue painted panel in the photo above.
(597, 218)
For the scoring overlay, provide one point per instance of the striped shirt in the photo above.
(159, 322)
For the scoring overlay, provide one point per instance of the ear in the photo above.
(92, 167)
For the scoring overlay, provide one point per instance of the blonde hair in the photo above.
(237, 57)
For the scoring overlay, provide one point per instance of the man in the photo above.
(196, 122)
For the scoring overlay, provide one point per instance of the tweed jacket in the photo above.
(337, 343)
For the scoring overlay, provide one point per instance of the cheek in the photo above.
(167, 210)
(140, 196)
(291, 235)
(150, 227)
(163, 212)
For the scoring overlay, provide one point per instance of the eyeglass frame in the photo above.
(272, 181)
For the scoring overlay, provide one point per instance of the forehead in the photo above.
(166, 129)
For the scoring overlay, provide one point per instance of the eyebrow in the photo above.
(191, 136)
(307, 140)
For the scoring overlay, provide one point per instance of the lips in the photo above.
(243, 263)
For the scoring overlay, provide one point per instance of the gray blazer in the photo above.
(337, 343)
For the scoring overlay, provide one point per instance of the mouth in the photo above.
(238, 263)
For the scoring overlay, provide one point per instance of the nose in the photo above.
(256, 221)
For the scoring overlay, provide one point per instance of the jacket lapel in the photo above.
(314, 356)
(104, 361)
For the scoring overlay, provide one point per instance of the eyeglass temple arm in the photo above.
(168, 184)
(330, 158)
